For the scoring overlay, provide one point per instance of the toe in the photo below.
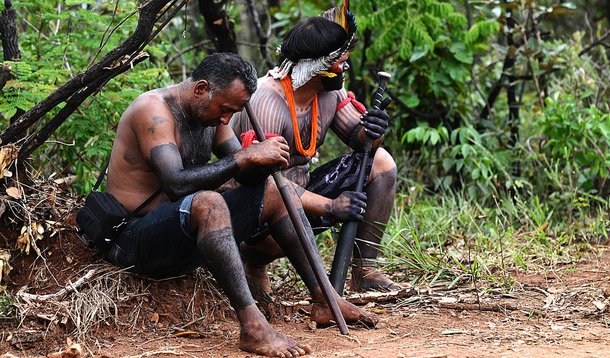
(293, 352)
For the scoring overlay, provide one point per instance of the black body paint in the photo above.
(222, 259)
(370, 231)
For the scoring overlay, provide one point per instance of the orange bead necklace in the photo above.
(311, 150)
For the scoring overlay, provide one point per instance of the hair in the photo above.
(221, 69)
(312, 38)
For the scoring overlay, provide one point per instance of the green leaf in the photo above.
(80, 2)
(434, 137)
(419, 51)
(461, 53)
(410, 99)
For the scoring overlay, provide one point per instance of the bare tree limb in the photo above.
(440, 115)
(73, 103)
(131, 46)
(69, 288)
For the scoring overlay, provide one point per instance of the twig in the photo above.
(69, 287)
(596, 43)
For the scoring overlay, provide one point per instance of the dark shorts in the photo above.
(158, 244)
(333, 178)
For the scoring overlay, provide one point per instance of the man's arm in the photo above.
(351, 125)
(227, 145)
(350, 205)
(156, 130)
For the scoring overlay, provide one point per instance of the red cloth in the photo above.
(351, 98)
(248, 137)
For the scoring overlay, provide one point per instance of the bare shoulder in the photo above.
(268, 86)
(151, 101)
(148, 112)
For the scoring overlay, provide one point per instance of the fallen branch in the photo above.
(501, 308)
(364, 298)
(360, 298)
(69, 287)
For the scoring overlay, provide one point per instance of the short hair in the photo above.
(312, 38)
(221, 69)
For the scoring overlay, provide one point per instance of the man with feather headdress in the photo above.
(301, 99)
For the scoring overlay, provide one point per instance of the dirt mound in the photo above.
(75, 295)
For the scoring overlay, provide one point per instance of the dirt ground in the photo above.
(114, 314)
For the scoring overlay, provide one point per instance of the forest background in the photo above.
(500, 124)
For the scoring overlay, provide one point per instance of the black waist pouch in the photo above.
(100, 220)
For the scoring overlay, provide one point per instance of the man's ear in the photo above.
(202, 87)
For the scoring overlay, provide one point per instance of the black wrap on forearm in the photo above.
(355, 139)
(178, 181)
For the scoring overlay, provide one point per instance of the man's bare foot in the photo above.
(321, 314)
(369, 279)
(257, 336)
(258, 275)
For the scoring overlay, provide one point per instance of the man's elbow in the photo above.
(173, 190)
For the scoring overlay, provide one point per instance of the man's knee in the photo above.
(383, 163)
(209, 205)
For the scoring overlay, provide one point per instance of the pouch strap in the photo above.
(131, 215)
(101, 177)
(137, 210)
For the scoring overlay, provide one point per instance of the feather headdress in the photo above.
(304, 69)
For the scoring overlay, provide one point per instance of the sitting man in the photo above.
(301, 100)
(164, 141)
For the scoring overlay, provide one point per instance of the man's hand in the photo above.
(375, 123)
(350, 205)
(272, 152)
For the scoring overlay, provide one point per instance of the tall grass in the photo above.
(446, 236)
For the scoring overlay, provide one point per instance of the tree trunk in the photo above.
(263, 37)
(513, 104)
(219, 27)
(8, 30)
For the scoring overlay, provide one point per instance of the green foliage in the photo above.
(435, 47)
(450, 238)
(577, 139)
(69, 38)
(291, 12)
(7, 308)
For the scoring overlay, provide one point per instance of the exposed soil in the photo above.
(562, 313)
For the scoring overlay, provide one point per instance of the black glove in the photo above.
(350, 205)
(375, 123)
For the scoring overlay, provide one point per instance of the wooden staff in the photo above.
(347, 236)
(288, 193)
